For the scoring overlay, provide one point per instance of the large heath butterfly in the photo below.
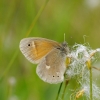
(49, 55)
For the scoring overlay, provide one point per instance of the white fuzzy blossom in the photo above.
(96, 91)
(80, 55)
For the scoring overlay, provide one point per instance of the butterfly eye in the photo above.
(59, 48)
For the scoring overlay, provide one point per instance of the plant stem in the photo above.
(66, 83)
(59, 91)
(36, 18)
(96, 68)
(90, 83)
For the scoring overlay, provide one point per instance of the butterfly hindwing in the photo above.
(52, 67)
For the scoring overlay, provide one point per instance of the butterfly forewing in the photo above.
(34, 49)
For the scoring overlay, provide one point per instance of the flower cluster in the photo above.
(81, 57)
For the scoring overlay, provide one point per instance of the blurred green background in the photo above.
(76, 18)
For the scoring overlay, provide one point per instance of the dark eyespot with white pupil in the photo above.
(54, 76)
(29, 45)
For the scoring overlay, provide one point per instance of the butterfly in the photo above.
(49, 55)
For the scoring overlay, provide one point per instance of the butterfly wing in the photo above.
(52, 67)
(34, 49)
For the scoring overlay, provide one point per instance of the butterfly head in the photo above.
(64, 47)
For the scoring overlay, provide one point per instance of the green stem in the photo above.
(90, 83)
(36, 18)
(66, 83)
(59, 91)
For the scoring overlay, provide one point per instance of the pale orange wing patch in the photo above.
(42, 48)
(34, 49)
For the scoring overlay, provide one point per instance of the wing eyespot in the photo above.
(54, 76)
(29, 44)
